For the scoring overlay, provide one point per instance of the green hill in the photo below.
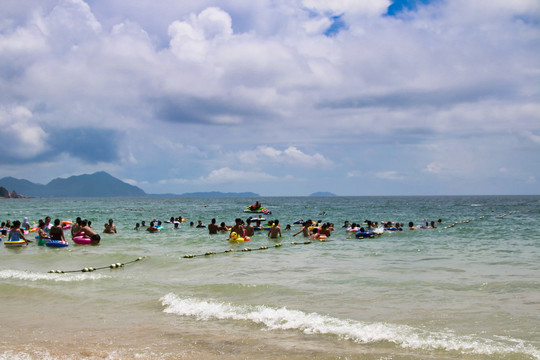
(99, 184)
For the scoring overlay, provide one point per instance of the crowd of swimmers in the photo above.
(47, 230)
(388, 226)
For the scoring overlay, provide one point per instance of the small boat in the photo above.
(261, 210)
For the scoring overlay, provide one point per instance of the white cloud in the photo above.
(228, 175)
(447, 92)
(289, 156)
(21, 137)
(389, 175)
(71, 20)
(368, 7)
(189, 39)
(385, 175)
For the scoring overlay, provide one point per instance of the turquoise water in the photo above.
(469, 289)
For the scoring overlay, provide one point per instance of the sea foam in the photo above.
(314, 323)
(33, 276)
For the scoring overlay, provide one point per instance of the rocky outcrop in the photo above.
(4, 193)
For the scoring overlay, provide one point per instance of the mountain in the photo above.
(322, 193)
(22, 186)
(99, 184)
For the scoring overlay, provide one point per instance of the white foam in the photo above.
(10, 355)
(32, 276)
(313, 323)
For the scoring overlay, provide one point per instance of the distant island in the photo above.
(99, 184)
(322, 193)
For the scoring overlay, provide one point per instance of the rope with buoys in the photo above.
(208, 253)
(482, 217)
(278, 245)
(91, 269)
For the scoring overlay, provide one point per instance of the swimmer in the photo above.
(305, 229)
(213, 228)
(274, 230)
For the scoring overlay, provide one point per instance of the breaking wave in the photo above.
(360, 332)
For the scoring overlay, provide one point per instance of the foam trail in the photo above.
(313, 323)
(31, 276)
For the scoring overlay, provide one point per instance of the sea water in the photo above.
(469, 289)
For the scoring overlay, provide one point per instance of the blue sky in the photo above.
(275, 97)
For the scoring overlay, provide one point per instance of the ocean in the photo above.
(468, 289)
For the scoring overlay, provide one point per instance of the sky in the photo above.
(276, 97)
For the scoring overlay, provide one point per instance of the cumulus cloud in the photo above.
(289, 156)
(189, 39)
(366, 7)
(269, 83)
(228, 175)
(22, 140)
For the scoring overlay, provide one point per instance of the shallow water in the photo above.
(469, 289)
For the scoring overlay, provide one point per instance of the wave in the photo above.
(313, 323)
(11, 355)
(32, 276)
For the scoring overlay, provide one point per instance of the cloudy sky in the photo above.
(278, 97)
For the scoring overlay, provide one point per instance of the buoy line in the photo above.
(91, 269)
(460, 222)
(481, 217)
(208, 253)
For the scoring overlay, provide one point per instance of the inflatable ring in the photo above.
(17, 243)
(56, 243)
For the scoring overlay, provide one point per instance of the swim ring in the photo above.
(235, 237)
(365, 234)
(56, 243)
(82, 240)
(17, 243)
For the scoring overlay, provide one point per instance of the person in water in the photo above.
(110, 228)
(315, 235)
(152, 228)
(238, 227)
(89, 232)
(56, 232)
(48, 224)
(212, 227)
(255, 206)
(305, 229)
(249, 229)
(16, 234)
(275, 230)
(411, 226)
(42, 235)
(223, 227)
(76, 227)
(25, 224)
(325, 230)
